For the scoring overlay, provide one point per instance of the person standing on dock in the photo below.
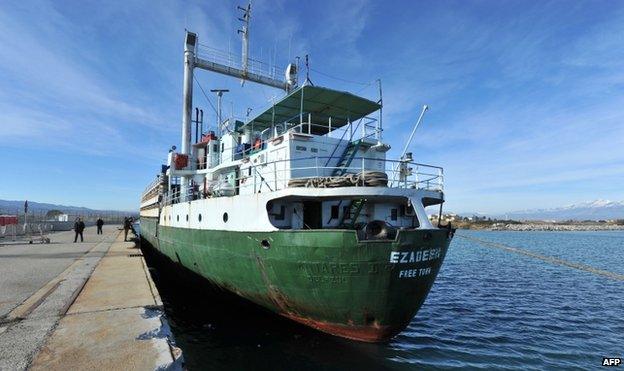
(79, 227)
(99, 224)
(127, 226)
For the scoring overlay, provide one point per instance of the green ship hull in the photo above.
(326, 279)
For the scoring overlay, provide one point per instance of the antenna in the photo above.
(307, 80)
(219, 96)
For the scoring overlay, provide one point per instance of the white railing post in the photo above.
(275, 173)
(441, 181)
(330, 128)
(363, 130)
(417, 172)
(350, 130)
(362, 160)
(316, 166)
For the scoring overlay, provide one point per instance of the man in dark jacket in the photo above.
(79, 227)
(99, 224)
(127, 226)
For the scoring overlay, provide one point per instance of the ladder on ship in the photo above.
(354, 210)
(355, 207)
(347, 157)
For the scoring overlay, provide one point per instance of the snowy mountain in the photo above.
(593, 210)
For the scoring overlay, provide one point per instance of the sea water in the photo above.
(489, 309)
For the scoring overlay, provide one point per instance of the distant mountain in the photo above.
(593, 210)
(11, 206)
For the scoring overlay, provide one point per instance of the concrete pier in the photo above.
(68, 305)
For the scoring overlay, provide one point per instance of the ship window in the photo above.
(249, 171)
(393, 214)
(335, 209)
(282, 213)
(178, 218)
(402, 210)
(225, 217)
(187, 217)
(300, 148)
(314, 150)
(222, 147)
(199, 217)
(215, 148)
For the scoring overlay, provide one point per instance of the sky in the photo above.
(526, 97)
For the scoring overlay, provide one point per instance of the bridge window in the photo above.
(282, 213)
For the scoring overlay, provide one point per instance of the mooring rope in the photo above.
(367, 178)
(546, 258)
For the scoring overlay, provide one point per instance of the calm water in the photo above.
(488, 309)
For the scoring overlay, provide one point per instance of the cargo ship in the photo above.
(297, 208)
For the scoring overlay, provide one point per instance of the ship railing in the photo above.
(151, 186)
(307, 123)
(365, 128)
(312, 172)
(362, 172)
(234, 60)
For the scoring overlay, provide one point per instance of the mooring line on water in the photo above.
(546, 258)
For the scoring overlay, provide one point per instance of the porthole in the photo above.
(225, 217)
(199, 217)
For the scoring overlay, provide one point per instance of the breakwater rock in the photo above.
(555, 227)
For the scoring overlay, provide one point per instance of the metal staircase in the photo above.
(355, 208)
(347, 157)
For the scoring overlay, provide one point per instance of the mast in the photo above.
(191, 61)
(187, 101)
(219, 109)
(242, 72)
(187, 91)
(245, 33)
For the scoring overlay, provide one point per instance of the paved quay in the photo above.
(68, 305)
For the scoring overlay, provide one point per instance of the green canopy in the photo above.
(321, 103)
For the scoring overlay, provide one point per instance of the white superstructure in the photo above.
(313, 160)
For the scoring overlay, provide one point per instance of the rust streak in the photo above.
(374, 333)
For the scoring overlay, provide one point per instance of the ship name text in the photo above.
(400, 257)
